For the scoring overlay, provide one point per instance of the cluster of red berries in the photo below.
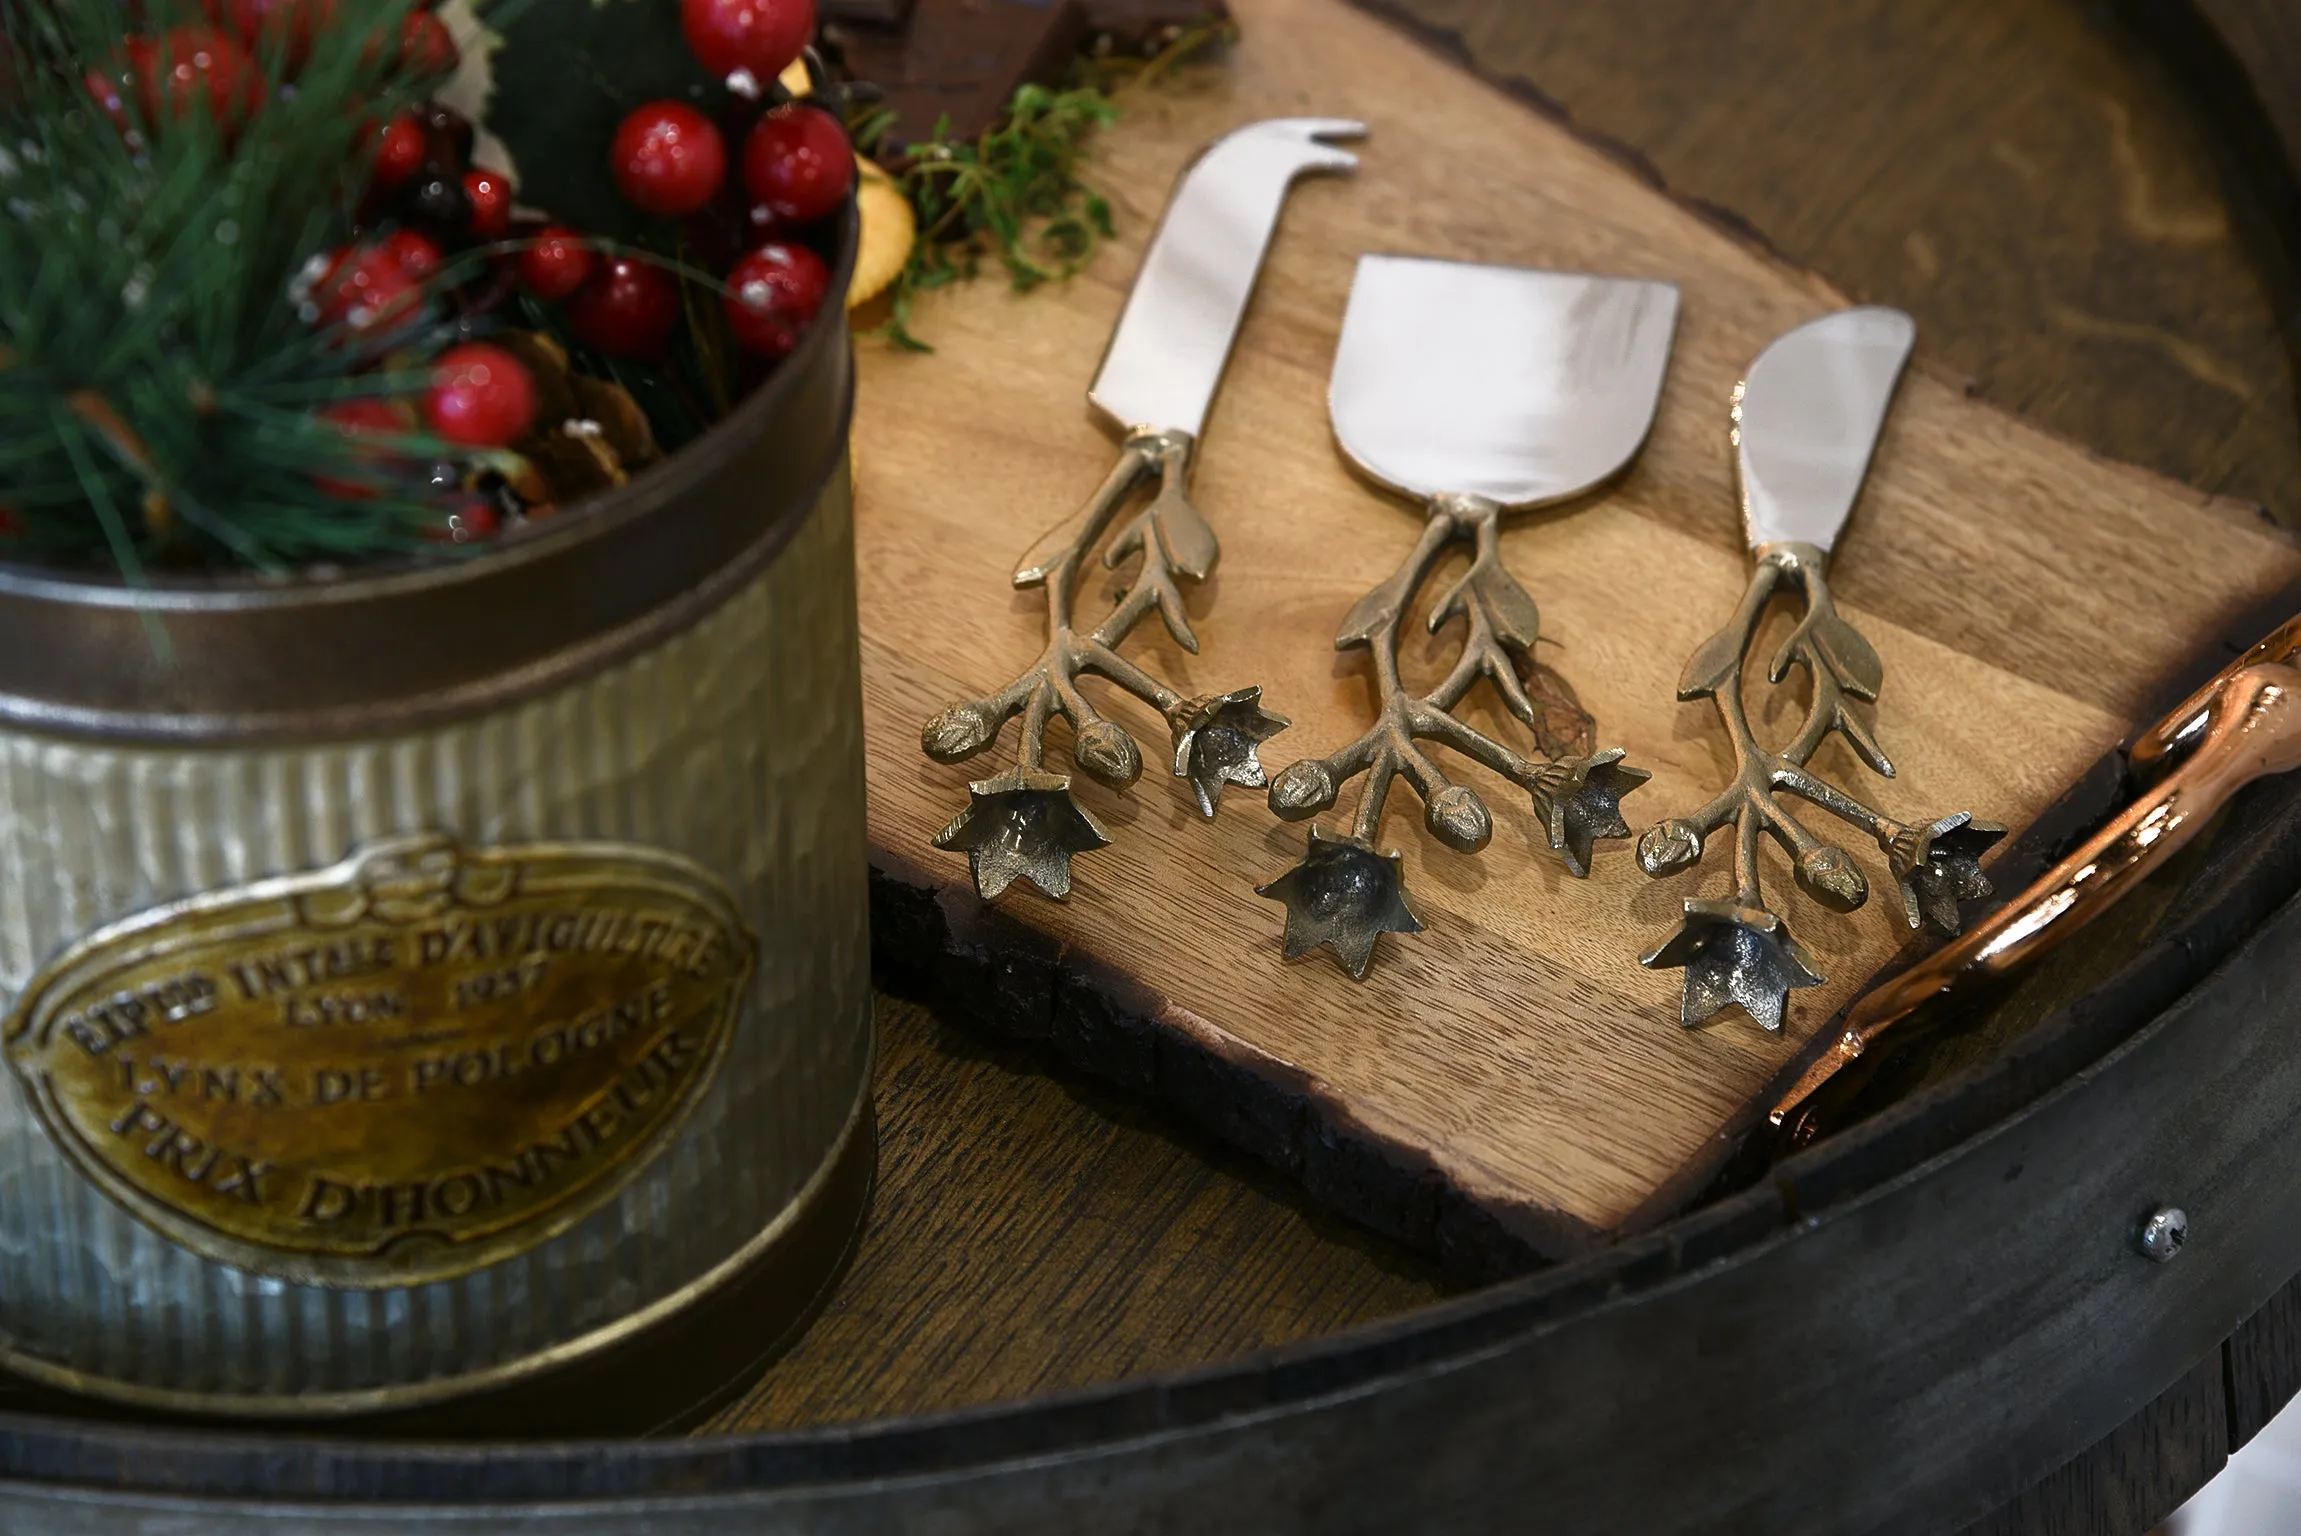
(480, 397)
(219, 68)
(670, 160)
(746, 215)
(423, 186)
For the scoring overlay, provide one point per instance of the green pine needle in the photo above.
(158, 387)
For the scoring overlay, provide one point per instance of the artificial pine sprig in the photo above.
(159, 390)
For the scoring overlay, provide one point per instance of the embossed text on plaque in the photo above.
(417, 1062)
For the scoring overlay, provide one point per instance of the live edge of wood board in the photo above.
(1509, 1085)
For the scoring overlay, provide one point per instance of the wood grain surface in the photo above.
(2039, 207)
(2023, 178)
(2023, 594)
(1033, 1232)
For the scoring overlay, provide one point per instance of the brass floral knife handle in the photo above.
(1024, 822)
(1740, 951)
(1804, 424)
(1345, 893)
(2244, 725)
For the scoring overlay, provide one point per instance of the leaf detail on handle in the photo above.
(1716, 662)
(1047, 551)
(1850, 658)
(1508, 608)
(1376, 609)
(1181, 530)
(1075, 533)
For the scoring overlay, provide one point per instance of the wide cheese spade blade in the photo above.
(1475, 389)
(1519, 386)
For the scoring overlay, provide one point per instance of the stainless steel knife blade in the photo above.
(1807, 417)
(1174, 336)
(1521, 386)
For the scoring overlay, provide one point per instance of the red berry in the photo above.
(361, 418)
(798, 164)
(777, 291)
(481, 396)
(110, 90)
(760, 36)
(667, 159)
(557, 263)
(195, 67)
(426, 47)
(414, 253)
(627, 309)
(400, 149)
(489, 193)
(365, 290)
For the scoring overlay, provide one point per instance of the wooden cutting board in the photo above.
(1513, 1060)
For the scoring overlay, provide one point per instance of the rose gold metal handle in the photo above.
(2184, 725)
(2242, 726)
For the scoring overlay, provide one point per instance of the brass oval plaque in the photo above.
(418, 1062)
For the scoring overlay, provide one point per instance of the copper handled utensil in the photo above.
(1476, 390)
(2242, 726)
(1804, 424)
(1157, 381)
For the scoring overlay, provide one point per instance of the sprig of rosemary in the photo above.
(1018, 190)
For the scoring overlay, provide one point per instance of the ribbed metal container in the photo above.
(673, 668)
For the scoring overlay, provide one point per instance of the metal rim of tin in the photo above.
(395, 646)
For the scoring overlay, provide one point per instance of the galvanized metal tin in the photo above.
(671, 672)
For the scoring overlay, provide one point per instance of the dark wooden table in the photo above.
(2022, 177)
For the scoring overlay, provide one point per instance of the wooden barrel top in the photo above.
(2049, 204)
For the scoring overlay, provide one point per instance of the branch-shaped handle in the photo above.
(1739, 952)
(1026, 823)
(1344, 893)
(2252, 728)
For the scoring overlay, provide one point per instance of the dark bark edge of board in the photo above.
(975, 965)
(978, 967)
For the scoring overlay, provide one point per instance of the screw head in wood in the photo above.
(2163, 1233)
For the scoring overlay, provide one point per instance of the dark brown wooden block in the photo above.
(1144, 26)
(887, 14)
(961, 60)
